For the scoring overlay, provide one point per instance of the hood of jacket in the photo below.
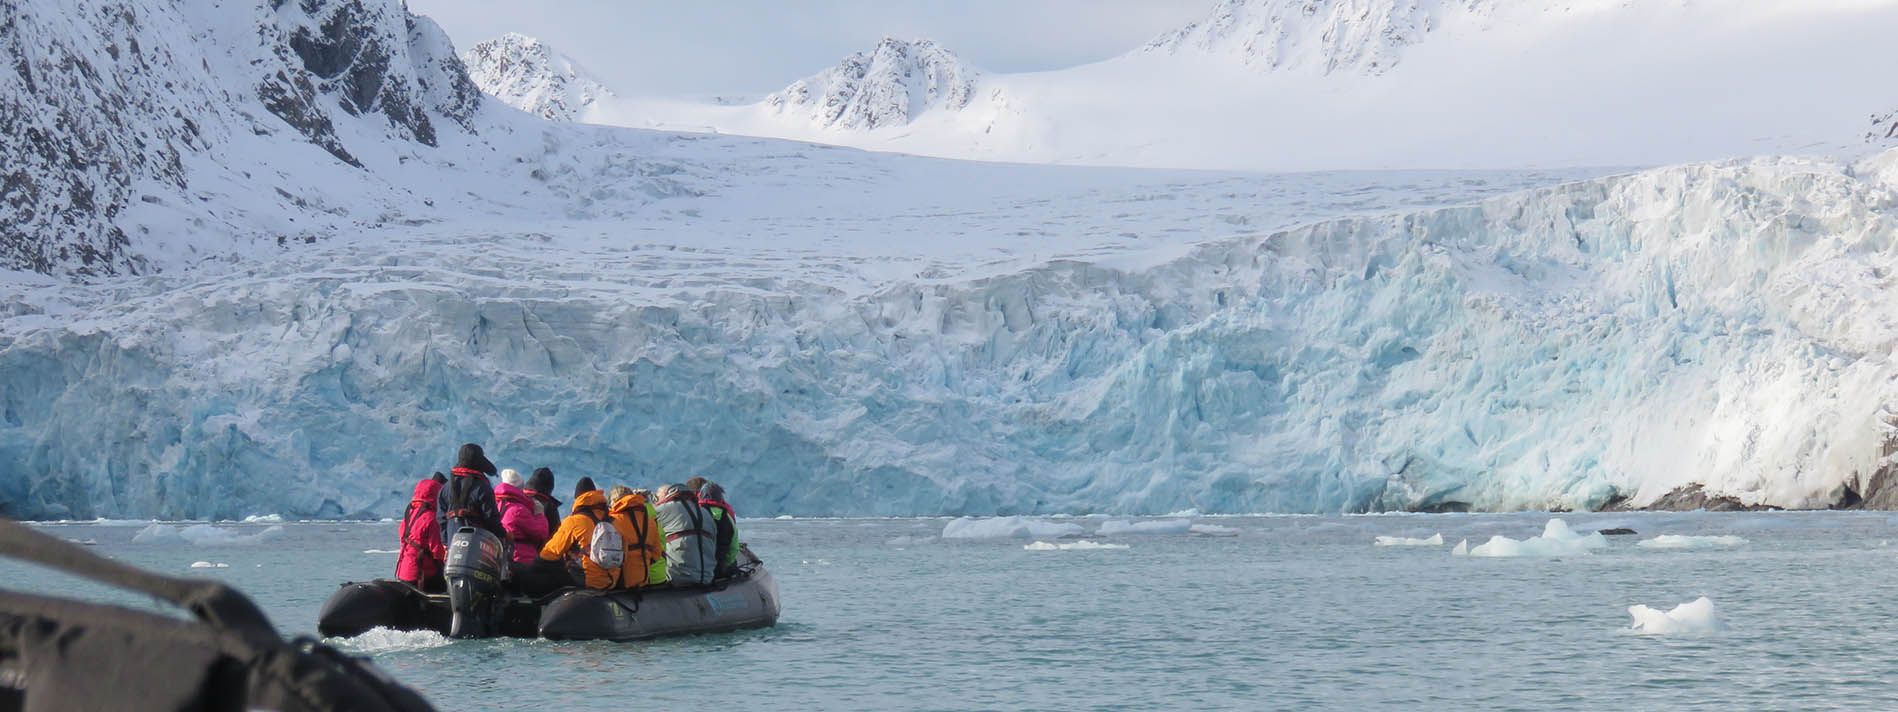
(589, 498)
(426, 490)
(512, 493)
(628, 503)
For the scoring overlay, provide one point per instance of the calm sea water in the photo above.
(1285, 612)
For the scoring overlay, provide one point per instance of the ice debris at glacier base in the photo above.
(203, 535)
(1008, 528)
(1433, 540)
(1122, 527)
(1679, 541)
(1696, 616)
(1557, 539)
(1082, 545)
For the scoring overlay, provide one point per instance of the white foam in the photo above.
(1696, 616)
(1120, 527)
(1213, 530)
(1008, 528)
(209, 565)
(1557, 539)
(385, 640)
(1434, 540)
(1678, 541)
(202, 535)
(381, 551)
(1082, 545)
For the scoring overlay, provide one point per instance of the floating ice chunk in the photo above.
(384, 640)
(1213, 530)
(1194, 512)
(380, 551)
(1117, 527)
(1557, 539)
(1435, 540)
(83, 542)
(1082, 545)
(202, 535)
(785, 517)
(1008, 528)
(1462, 548)
(1696, 616)
(209, 565)
(1677, 541)
(264, 519)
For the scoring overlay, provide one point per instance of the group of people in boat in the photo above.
(680, 535)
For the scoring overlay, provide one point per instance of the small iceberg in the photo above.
(1436, 540)
(1009, 528)
(1557, 539)
(1678, 541)
(209, 565)
(1082, 545)
(380, 551)
(1696, 616)
(1119, 527)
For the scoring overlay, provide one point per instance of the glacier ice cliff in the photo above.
(1723, 325)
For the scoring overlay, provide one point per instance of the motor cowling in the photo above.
(473, 571)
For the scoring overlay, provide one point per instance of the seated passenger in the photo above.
(541, 486)
(690, 558)
(467, 499)
(523, 518)
(577, 541)
(419, 559)
(725, 521)
(644, 541)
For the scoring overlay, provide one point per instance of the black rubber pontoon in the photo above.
(748, 600)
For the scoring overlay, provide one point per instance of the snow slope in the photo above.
(528, 75)
(1381, 84)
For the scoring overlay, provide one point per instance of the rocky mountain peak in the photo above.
(890, 85)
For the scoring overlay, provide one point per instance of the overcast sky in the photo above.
(702, 47)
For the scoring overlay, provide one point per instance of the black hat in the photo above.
(584, 485)
(439, 477)
(471, 458)
(541, 481)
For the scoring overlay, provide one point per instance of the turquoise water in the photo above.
(1280, 612)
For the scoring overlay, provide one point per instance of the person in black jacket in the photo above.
(467, 500)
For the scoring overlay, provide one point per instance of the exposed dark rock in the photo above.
(1880, 490)
(1618, 531)
(1687, 498)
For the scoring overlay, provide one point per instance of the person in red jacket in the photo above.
(419, 561)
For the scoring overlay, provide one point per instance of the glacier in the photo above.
(1603, 340)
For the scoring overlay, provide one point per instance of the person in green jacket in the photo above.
(712, 499)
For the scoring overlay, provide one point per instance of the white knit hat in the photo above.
(511, 477)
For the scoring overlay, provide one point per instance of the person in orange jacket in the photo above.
(645, 543)
(571, 543)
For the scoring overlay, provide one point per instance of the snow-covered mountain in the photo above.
(1396, 84)
(891, 85)
(1323, 36)
(122, 122)
(528, 75)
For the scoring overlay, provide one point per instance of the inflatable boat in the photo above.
(748, 599)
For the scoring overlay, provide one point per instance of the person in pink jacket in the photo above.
(522, 517)
(419, 561)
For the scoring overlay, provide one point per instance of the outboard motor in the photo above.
(473, 572)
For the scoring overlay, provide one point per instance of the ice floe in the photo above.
(1434, 540)
(1120, 527)
(202, 535)
(1213, 530)
(1082, 545)
(1678, 541)
(381, 551)
(1557, 539)
(209, 565)
(1008, 528)
(1696, 616)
